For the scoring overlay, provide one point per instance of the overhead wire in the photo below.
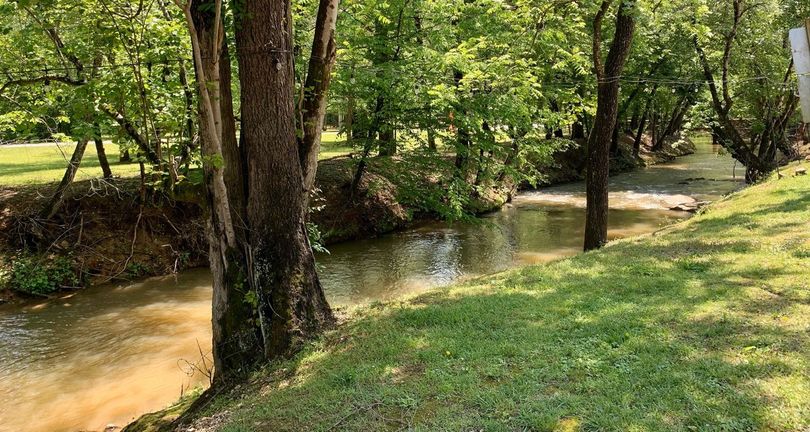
(44, 72)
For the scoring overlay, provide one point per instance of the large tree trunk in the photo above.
(53, 204)
(596, 219)
(291, 302)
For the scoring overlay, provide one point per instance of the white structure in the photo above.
(800, 45)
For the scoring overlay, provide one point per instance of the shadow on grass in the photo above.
(670, 333)
(611, 352)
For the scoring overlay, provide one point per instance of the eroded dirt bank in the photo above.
(106, 232)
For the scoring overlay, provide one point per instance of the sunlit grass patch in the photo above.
(45, 163)
(703, 327)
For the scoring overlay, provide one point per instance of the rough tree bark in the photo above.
(291, 303)
(608, 76)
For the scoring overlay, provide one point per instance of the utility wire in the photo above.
(23, 74)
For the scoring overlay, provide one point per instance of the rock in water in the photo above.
(670, 201)
(690, 207)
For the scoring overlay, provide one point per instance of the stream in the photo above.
(110, 353)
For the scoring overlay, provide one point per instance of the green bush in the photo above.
(40, 275)
(136, 269)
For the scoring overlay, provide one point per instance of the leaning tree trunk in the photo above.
(53, 204)
(368, 145)
(639, 134)
(102, 157)
(100, 152)
(291, 302)
(596, 179)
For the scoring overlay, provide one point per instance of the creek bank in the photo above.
(106, 234)
(719, 298)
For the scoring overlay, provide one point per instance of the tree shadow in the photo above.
(535, 350)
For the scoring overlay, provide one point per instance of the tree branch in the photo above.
(598, 68)
(53, 35)
(132, 132)
(45, 78)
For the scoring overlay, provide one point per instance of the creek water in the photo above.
(110, 353)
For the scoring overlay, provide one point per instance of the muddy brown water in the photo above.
(110, 353)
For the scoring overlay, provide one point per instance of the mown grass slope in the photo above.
(703, 326)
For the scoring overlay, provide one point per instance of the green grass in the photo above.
(28, 165)
(705, 326)
(333, 145)
(22, 165)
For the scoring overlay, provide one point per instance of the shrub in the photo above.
(41, 275)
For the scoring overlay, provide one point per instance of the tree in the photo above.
(754, 144)
(608, 77)
(267, 295)
(55, 202)
(291, 304)
(85, 68)
(319, 76)
(235, 336)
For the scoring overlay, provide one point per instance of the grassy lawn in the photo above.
(705, 326)
(20, 165)
(333, 145)
(39, 164)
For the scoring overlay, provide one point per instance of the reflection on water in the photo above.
(438, 254)
(109, 354)
(538, 227)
